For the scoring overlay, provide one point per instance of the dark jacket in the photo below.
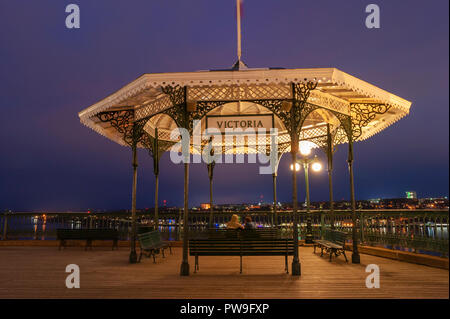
(250, 225)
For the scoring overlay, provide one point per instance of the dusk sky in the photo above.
(49, 161)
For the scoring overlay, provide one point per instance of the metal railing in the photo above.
(424, 231)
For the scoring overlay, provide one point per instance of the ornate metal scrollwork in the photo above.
(178, 110)
(277, 108)
(179, 113)
(300, 107)
(294, 117)
(176, 94)
(363, 113)
(203, 107)
(340, 136)
(303, 89)
(155, 147)
(328, 144)
(320, 141)
(150, 143)
(120, 120)
(346, 125)
(282, 148)
(123, 122)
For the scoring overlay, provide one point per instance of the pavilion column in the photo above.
(330, 173)
(184, 271)
(132, 132)
(355, 254)
(156, 201)
(297, 114)
(210, 175)
(275, 212)
(296, 267)
(133, 255)
(156, 172)
(184, 268)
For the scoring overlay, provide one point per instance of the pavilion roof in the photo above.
(334, 85)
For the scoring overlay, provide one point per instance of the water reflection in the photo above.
(43, 226)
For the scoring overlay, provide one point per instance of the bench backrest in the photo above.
(99, 234)
(146, 240)
(335, 236)
(149, 239)
(241, 246)
(243, 233)
(259, 233)
(223, 233)
(215, 247)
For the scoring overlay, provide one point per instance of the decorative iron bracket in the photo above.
(363, 113)
(178, 111)
(156, 148)
(123, 121)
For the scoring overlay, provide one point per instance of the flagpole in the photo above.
(238, 13)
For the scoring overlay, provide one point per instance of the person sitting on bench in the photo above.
(234, 223)
(248, 224)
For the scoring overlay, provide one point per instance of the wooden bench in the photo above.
(237, 233)
(246, 243)
(87, 234)
(151, 243)
(333, 242)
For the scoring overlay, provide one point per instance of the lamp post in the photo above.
(305, 150)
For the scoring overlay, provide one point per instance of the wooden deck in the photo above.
(39, 272)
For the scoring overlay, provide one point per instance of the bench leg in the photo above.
(331, 253)
(140, 256)
(196, 264)
(154, 256)
(321, 251)
(286, 264)
(240, 265)
(345, 256)
(162, 251)
(170, 249)
(314, 248)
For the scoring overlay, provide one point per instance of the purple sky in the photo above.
(49, 73)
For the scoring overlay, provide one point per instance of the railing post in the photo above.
(361, 226)
(179, 224)
(322, 223)
(5, 225)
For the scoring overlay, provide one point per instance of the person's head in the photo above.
(234, 218)
(248, 219)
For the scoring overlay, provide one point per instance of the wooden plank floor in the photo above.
(39, 272)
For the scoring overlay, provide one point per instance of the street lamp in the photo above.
(316, 167)
(305, 150)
